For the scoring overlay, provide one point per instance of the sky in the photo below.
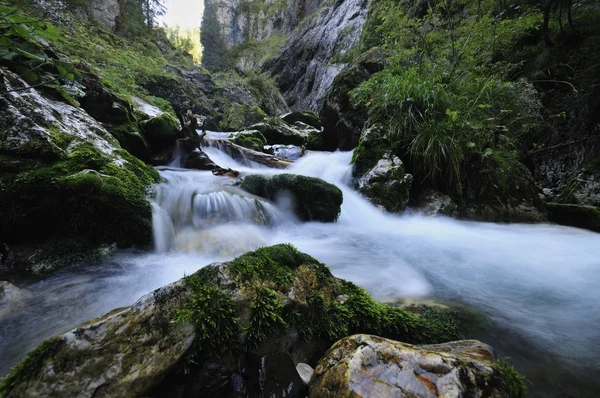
(185, 13)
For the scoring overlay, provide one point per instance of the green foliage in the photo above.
(266, 317)
(511, 381)
(212, 39)
(30, 366)
(24, 49)
(443, 100)
(213, 313)
(187, 40)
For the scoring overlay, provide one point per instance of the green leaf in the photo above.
(24, 31)
(66, 96)
(28, 75)
(488, 152)
(48, 31)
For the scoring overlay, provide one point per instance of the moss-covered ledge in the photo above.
(275, 299)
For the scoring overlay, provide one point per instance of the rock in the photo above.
(373, 145)
(587, 217)
(65, 175)
(8, 290)
(277, 377)
(161, 132)
(282, 133)
(237, 116)
(370, 366)
(342, 123)
(317, 49)
(433, 203)
(251, 139)
(387, 185)
(205, 332)
(308, 117)
(145, 110)
(584, 187)
(198, 160)
(105, 12)
(290, 152)
(306, 372)
(312, 198)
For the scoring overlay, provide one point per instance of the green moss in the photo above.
(315, 199)
(85, 195)
(161, 132)
(237, 117)
(213, 313)
(266, 317)
(253, 140)
(62, 252)
(314, 141)
(587, 217)
(306, 117)
(511, 381)
(28, 368)
(371, 148)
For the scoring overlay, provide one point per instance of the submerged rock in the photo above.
(275, 305)
(312, 198)
(370, 366)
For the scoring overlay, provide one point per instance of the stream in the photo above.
(535, 287)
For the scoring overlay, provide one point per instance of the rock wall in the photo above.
(301, 42)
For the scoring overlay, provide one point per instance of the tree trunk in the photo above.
(545, 28)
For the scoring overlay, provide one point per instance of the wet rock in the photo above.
(306, 372)
(283, 134)
(342, 123)
(64, 174)
(161, 132)
(387, 184)
(7, 290)
(587, 217)
(432, 203)
(201, 333)
(290, 152)
(312, 198)
(277, 377)
(144, 110)
(370, 366)
(584, 187)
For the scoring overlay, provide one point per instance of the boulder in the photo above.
(161, 132)
(251, 139)
(216, 332)
(584, 187)
(387, 184)
(281, 133)
(312, 198)
(342, 122)
(434, 203)
(371, 366)
(587, 217)
(62, 174)
(307, 117)
(237, 116)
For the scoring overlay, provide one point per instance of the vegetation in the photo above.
(187, 40)
(510, 380)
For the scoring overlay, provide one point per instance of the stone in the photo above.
(371, 366)
(584, 187)
(308, 117)
(312, 199)
(306, 372)
(434, 203)
(342, 122)
(586, 217)
(105, 12)
(282, 134)
(161, 132)
(387, 185)
(239, 327)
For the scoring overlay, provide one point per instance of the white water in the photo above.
(538, 283)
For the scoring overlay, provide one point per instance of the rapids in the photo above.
(533, 288)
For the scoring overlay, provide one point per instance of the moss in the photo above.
(511, 381)
(161, 132)
(315, 199)
(28, 368)
(60, 253)
(314, 141)
(371, 148)
(85, 195)
(266, 317)
(252, 140)
(587, 217)
(306, 117)
(213, 313)
(237, 116)
(130, 139)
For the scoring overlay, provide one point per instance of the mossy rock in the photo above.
(586, 217)
(161, 132)
(372, 147)
(237, 117)
(307, 117)
(278, 132)
(89, 194)
(314, 142)
(130, 139)
(273, 300)
(314, 199)
(252, 140)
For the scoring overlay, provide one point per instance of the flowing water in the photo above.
(536, 286)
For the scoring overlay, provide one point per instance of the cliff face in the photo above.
(301, 42)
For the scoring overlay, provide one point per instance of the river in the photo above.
(536, 287)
